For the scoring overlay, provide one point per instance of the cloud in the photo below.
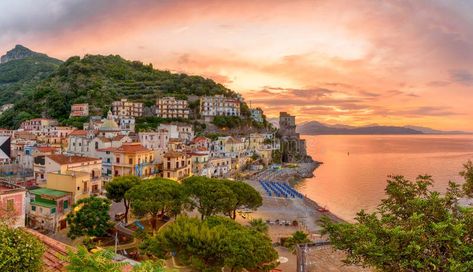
(461, 76)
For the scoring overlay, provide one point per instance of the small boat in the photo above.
(323, 209)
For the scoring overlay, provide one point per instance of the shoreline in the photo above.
(306, 211)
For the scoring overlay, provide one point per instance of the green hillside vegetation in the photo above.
(19, 77)
(100, 80)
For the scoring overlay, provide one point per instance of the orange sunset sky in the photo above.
(352, 62)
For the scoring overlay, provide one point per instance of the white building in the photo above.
(170, 107)
(182, 131)
(257, 115)
(218, 105)
(127, 108)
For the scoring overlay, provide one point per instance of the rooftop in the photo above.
(79, 132)
(173, 154)
(131, 148)
(49, 192)
(63, 159)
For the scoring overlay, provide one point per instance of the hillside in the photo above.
(316, 128)
(99, 80)
(21, 70)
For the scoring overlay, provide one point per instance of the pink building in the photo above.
(79, 110)
(12, 204)
(37, 124)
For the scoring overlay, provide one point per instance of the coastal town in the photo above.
(47, 168)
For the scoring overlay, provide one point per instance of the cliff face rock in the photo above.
(19, 52)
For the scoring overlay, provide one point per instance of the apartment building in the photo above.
(133, 159)
(182, 131)
(257, 115)
(170, 107)
(48, 208)
(127, 108)
(79, 110)
(176, 165)
(37, 124)
(218, 105)
(12, 204)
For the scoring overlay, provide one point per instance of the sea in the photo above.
(355, 167)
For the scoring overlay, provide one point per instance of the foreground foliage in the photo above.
(298, 237)
(102, 260)
(213, 243)
(19, 251)
(89, 216)
(413, 229)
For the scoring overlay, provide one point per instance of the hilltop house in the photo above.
(127, 108)
(218, 105)
(170, 107)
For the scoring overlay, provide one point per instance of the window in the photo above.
(33, 208)
(78, 188)
(10, 205)
(96, 145)
(130, 161)
(118, 160)
(53, 210)
(65, 204)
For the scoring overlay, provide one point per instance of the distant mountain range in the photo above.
(317, 128)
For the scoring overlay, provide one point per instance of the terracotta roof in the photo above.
(104, 139)
(79, 132)
(173, 154)
(47, 148)
(200, 139)
(131, 148)
(63, 159)
(54, 249)
(118, 137)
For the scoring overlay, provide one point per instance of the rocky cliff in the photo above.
(19, 52)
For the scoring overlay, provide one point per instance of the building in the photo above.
(37, 124)
(218, 105)
(182, 131)
(80, 184)
(78, 142)
(48, 209)
(201, 141)
(79, 110)
(127, 108)
(12, 204)
(133, 159)
(176, 165)
(293, 148)
(170, 107)
(257, 115)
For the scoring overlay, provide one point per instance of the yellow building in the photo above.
(80, 184)
(80, 176)
(133, 159)
(176, 165)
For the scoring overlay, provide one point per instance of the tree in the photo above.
(213, 243)
(117, 188)
(259, 225)
(413, 229)
(84, 261)
(156, 197)
(298, 237)
(89, 217)
(467, 174)
(246, 197)
(150, 266)
(210, 196)
(19, 250)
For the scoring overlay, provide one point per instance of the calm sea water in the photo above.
(347, 183)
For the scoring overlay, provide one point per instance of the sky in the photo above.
(396, 62)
